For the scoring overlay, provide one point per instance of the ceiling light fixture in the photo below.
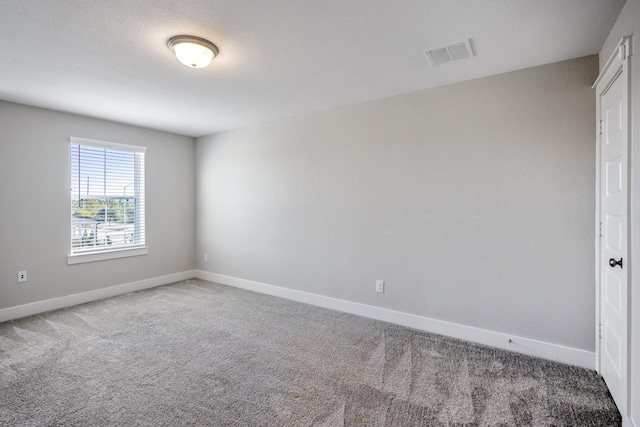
(192, 51)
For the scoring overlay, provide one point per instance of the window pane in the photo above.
(107, 202)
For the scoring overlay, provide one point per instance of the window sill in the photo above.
(101, 256)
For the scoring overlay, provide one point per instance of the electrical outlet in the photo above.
(379, 285)
(206, 257)
(22, 276)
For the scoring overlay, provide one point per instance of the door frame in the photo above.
(617, 66)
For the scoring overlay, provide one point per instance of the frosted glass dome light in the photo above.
(193, 52)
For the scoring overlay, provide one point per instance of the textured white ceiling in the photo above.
(278, 58)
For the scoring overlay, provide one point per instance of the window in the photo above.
(107, 200)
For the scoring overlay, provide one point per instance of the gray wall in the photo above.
(474, 202)
(35, 205)
(629, 23)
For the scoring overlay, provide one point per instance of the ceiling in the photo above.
(278, 58)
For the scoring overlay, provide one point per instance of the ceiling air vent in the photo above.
(453, 52)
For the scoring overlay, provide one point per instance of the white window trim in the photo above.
(101, 255)
(107, 144)
(107, 254)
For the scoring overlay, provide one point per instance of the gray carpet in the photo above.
(199, 353)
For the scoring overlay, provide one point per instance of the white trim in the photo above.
(70, 300)
(107, 144)
(598, 228)
(103, 255)
(628, 422)
(545, 350)
(624, 42)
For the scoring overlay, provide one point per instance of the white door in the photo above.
(614, 260)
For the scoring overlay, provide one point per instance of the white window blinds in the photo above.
(107, 196)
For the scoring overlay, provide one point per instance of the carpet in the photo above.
(200, 353)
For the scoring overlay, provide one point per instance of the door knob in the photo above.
(613, 262)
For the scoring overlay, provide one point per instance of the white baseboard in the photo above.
(545, 350)
(522, 345)
(111, 291)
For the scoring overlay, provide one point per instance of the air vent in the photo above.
(453, 52)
